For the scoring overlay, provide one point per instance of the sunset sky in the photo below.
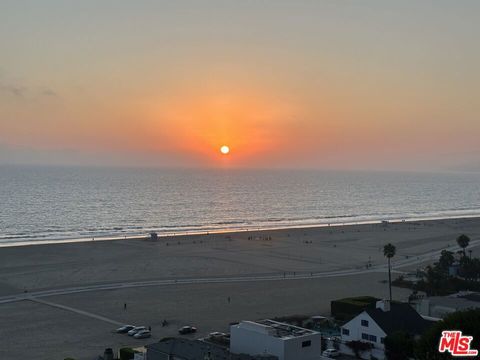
(314, 84)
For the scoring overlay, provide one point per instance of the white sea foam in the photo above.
(77, 204)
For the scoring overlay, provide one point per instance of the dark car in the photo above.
(124, 329)
(187, 330)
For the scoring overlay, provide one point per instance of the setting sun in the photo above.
(224, 149)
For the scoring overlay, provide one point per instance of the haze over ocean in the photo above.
(40, 203)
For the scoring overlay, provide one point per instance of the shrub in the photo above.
(399, 346)
(466, 321)
(348, 308)
(126, 354)
(358, 347)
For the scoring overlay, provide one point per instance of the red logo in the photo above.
(456, 343)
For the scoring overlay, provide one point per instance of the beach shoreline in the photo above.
(230, 231)
(301, 249)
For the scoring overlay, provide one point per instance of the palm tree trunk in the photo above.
(389, 280)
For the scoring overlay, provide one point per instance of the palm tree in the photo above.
(389, 252)
(463, 241)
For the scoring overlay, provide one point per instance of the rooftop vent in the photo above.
(383, 305)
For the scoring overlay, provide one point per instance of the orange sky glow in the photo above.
(284, 84)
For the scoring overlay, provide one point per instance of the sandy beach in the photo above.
(66, 298)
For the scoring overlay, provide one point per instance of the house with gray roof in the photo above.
(376, 323)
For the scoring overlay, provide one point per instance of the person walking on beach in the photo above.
(228, 299)
(124, 306)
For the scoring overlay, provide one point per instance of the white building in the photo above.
(285, 341)
(374, 324)
(441, 306)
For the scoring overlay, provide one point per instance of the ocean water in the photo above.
(55, 203)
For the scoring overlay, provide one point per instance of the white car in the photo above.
(216, 335)
(331, 353)
(142, 334)
(136, 329)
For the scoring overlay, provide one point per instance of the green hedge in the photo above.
(126, 353)
(348, 308)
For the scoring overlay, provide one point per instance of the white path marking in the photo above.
(77, 311)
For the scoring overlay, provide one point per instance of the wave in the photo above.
(107, 203)
(117, 232)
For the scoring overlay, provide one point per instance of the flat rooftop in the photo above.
(276, 329)
(461, 300)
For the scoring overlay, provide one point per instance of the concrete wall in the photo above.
(251, 342)
(244, 341)
(426, 308)
(294, 350)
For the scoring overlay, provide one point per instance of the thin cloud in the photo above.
(15, 90)
(49, 92)
(19, 90)
(22, 92)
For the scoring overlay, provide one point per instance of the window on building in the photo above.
(306, 343)
(372, 338)
(364, 336)
(345, 332)
(365, 323)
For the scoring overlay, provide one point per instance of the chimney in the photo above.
(384, 305)
(108, 354)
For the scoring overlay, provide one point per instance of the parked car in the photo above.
(136, 329)
(142, 334)
(124, 329)
(331, 353)
(187, 330)
(334, 338)
(216, 335)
